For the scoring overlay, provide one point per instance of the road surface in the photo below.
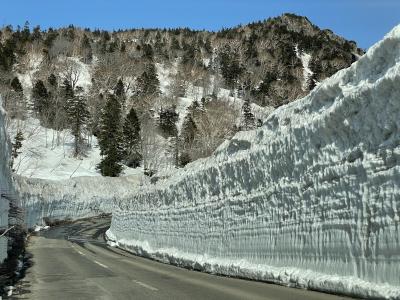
(73, 262)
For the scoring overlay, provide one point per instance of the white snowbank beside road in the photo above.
(74, 198)
(310, 199)
(6, 187)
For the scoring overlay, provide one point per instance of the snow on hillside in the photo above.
(311, 199)
(32, 66)
(305, 60)
(48, 154)
(196, 93)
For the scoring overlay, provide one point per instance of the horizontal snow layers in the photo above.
(75, 198)
(5, 182)
(315, 189)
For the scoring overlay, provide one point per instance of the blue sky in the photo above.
(365, 21)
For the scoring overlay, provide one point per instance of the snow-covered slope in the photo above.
(310, 199)
(6, 188)
(48, 154)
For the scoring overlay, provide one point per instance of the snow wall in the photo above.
(72, 199)
(5, 182)
(311, 199)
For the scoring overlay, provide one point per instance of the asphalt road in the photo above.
(73, 262)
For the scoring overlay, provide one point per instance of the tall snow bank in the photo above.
(310, 199)
(72, 199)
(6, 188)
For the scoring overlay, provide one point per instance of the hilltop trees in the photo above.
(139, 84)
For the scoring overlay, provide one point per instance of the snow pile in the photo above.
(310, 199)
(6, 188)
(81, 197)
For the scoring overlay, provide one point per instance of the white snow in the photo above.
(48, 154)
(305, 60)
(310, 199)
(32, 66)
(74, 198)
(84, 73)
(38, 228)
(6, 186)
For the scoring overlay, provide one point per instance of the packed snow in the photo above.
(6, 188)
(75, 198)
(311, 199)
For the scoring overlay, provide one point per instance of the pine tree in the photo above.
(110, 138)
(67, 90)
(16, 146)
(248, 116)
(16, 85)
(131, 141)
(52, 80)
(119, 91)
(187, 137)
(148, 83)
(40, 98)
(78, 116)
(167, 121)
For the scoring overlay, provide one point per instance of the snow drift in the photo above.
(310, 199)
(72, 199)
(6, 188)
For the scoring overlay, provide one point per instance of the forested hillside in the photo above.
(155, 98)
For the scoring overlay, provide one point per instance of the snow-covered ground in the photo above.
(6, 188)
(196, 93)
(307, 72)
(48, 154)
(310, 199)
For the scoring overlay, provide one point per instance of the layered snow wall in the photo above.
(6, 188)
(310, 199)
(72, 199)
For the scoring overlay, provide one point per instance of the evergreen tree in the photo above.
(187, 137)
(148, 51)
(110, 138)
(16, 85)
(231, 69)
(131, 141)
(86, 49)
(248, 116)
(167, 121)
(7, 54)
(78, 116)
(52, 80)
(40, 98)
(148, 83)
(16, 146)
(119, 90)
(251, 49)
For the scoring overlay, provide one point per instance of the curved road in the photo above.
(73, 262)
